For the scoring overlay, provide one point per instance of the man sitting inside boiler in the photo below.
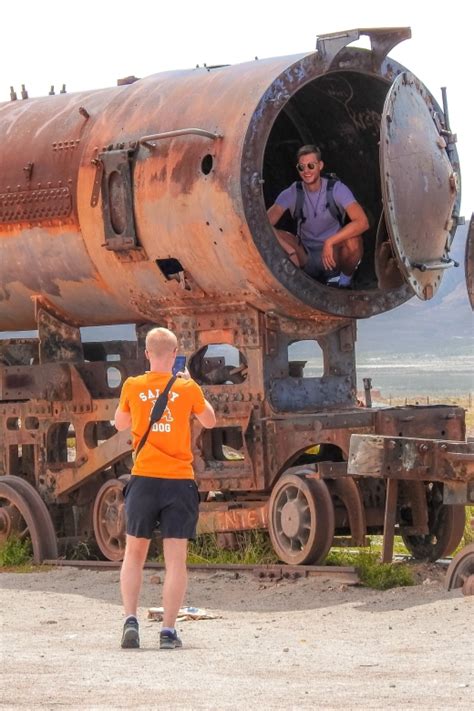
(324, 246)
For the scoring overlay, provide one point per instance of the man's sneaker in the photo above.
(344, 281)
(169, 640)
(130, 638)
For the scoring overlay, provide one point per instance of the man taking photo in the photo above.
(161, 491)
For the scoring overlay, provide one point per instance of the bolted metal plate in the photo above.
(419, 185)
(42, 204)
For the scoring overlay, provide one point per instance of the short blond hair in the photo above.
(161, 342)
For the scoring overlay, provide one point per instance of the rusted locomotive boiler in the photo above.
(146, 204)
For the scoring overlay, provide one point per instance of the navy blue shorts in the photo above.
(170, 505)
(314, 266)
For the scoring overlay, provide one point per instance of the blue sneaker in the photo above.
(344, 281)
(169, 640)
(130, 636)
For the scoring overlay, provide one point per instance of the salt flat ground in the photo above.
(305, 644)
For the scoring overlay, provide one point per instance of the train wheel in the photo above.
(446, 528)
(23, 514)
(108, 519)
(460, 573)
(301, 519)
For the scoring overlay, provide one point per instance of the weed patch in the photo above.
(468, 535)
(373, 573)
(251, 548)
(15, 552)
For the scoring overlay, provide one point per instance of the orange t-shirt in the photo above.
(167, 450)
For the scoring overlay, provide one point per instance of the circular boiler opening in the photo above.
(339, 112)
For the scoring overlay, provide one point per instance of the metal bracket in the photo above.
(381, 41)
(443, 263)
(458, 492)
(59, 336)
(114, 179)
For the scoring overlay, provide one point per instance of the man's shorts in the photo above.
(314, 266)
(170, 505)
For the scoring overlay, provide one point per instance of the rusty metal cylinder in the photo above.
(121, 204)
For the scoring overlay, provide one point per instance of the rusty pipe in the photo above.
(146, 140)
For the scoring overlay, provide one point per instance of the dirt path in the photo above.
(308, 644)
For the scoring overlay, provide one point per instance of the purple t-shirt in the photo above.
(319, 223)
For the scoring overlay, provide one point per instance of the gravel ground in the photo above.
(304, 644)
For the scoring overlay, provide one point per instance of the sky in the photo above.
(91, 44)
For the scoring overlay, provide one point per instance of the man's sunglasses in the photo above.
(301, 167)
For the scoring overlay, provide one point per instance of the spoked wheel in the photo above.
(446, 528)
(460, 573)
(23, 514)
(301, 519)
(109, 519)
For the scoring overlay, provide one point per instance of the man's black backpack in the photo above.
(331, 204)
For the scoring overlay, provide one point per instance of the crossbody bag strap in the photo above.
(156, 413)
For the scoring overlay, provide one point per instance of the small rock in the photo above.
(286, 649)
(156, 579)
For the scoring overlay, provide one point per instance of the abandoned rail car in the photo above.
(146, 204)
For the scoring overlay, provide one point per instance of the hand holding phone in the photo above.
(179, 365)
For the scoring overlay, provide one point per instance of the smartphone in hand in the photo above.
(179, 364)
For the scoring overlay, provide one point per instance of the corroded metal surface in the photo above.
(301, 519)
(339, 573)
(460, 573)
(121, 228)
(426, 466)
(23, 513)
(243, 517)
(55, 420)
(411, 458)
(35, 205)
(109, 519)
(419, 184)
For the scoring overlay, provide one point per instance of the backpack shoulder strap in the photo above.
(298, 213)
(331, 204)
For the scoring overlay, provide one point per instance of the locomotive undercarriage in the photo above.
(276, 460)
